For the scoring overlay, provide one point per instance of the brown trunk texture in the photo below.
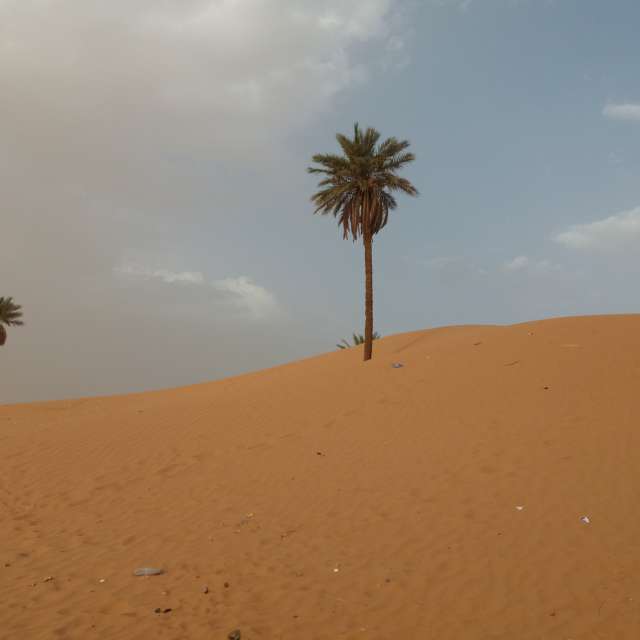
(368, 296)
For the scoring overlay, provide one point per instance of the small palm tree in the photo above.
(10, 315)
(358, 188)
(357, 339)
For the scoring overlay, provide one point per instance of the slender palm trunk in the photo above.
(368, 295)
(3, 335)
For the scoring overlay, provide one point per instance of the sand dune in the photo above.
(341, 499)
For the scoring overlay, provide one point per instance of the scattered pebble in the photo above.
(48, 579)
(397, 365)
(585, 519)
(235, 635)
(148, 571)
(520, 507)
(226, 585)
(205, 589)
(101, 580)
(336, 569)
(319, 453)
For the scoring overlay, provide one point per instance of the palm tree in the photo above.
(11, 315)
(358, 189)
(357, 339)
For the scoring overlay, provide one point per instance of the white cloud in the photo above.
(170, 277)
(617, 232)
(535, 267)
(253, 300)
(623, 111)
(244, 292)
(517, 264)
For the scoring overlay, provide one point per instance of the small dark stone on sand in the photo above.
(226, 585)
(166, 610)
(205, 589)
(157, 610)
(235, 635)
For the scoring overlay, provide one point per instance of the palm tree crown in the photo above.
(358, 187)
(10, 315)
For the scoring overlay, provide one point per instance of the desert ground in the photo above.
(487, 489)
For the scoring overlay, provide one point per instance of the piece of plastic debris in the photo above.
(148, 571)
(397, 365)
(585, 519)
(520, 507)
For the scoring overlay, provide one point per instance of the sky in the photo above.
(156, 223)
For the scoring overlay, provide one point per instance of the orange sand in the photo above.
(405, 527)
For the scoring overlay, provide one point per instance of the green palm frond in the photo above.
(10, 313)
(358, 339)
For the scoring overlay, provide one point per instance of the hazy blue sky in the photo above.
(156, 223)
